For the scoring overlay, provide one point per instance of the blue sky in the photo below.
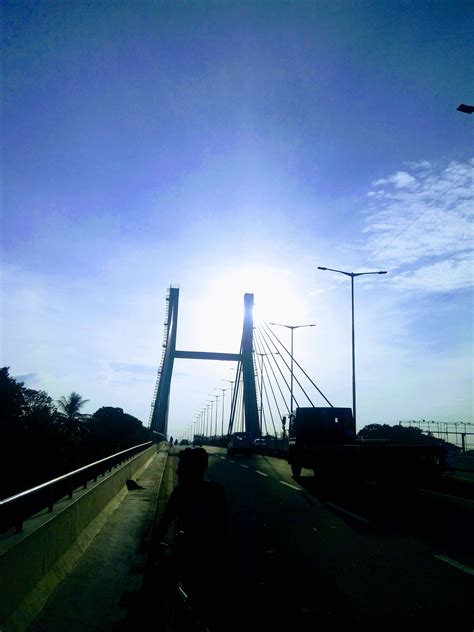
(232, 147)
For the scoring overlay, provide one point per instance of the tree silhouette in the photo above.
(69, 412)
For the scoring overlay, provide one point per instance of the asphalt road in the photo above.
(307, 557)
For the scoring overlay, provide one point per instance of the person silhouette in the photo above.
(197, 508)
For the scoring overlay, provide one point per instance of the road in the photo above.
(307, 558)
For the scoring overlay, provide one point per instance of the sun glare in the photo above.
(218, 313)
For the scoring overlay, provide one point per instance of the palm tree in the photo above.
(69, 411)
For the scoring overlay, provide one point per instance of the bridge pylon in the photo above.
(161, 396)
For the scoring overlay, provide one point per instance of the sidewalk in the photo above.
(95, 595)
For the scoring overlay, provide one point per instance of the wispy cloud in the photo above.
(128, 367)
(420, 225)
(400, 180)
(29, 378)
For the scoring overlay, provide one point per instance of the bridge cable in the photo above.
(233, 404)
(266, 391)
(273, 372)
(300, 367)
(271, 386)
(289, 368)
(274, 362)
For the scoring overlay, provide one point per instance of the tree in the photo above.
(12, 400)
(112, 430)
(69, 412)
(397, 434)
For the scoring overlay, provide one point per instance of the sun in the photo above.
(218, 312)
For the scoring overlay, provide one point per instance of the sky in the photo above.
(232, 147)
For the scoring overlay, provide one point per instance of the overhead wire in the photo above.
(414, 220)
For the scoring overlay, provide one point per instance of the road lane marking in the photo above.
(246, 466)
(458, 565)
(349, 513)
(428, 492)
(261, 473)
(289, 485)
(230, 461)
(223, 458)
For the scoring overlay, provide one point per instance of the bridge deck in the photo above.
(97, 593)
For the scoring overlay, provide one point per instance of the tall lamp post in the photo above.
(201, 422)
(292, 329)
(353, 275)
(215, 427)
(231, 382)
(224, 391)
(210, 404)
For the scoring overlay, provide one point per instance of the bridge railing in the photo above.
(16, 509)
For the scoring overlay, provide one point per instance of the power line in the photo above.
(413, 220)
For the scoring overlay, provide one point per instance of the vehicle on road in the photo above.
(324, 440)
(239, 443)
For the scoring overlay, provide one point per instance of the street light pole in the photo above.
(215, 427)
(224, 390)
(353, 275)
(209, 422)
(292, 329)
(231, 382)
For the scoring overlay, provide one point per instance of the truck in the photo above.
(325, 441)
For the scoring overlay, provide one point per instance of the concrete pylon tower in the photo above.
(161, 398)
(248, 372)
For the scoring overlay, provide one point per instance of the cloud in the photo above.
(424, 233)
(443, 276)
(400, 180)
(128, 367)
(29, 378)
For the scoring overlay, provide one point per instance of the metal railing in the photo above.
(16, 509)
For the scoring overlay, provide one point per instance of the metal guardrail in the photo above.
(16, 509)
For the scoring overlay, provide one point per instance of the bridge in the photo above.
(75, 552)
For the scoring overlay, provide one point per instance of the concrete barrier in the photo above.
(49, 547)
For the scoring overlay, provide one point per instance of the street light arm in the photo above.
(289, 327)
(333, 270)
(356, 274)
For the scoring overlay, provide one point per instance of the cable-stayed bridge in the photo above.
(301, 554)
(262, 394)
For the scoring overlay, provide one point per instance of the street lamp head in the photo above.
(321, 268)
(467, 109)
(382, 272)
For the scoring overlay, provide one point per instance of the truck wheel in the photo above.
(296, 469)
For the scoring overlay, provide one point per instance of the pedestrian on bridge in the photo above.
(197, 508)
